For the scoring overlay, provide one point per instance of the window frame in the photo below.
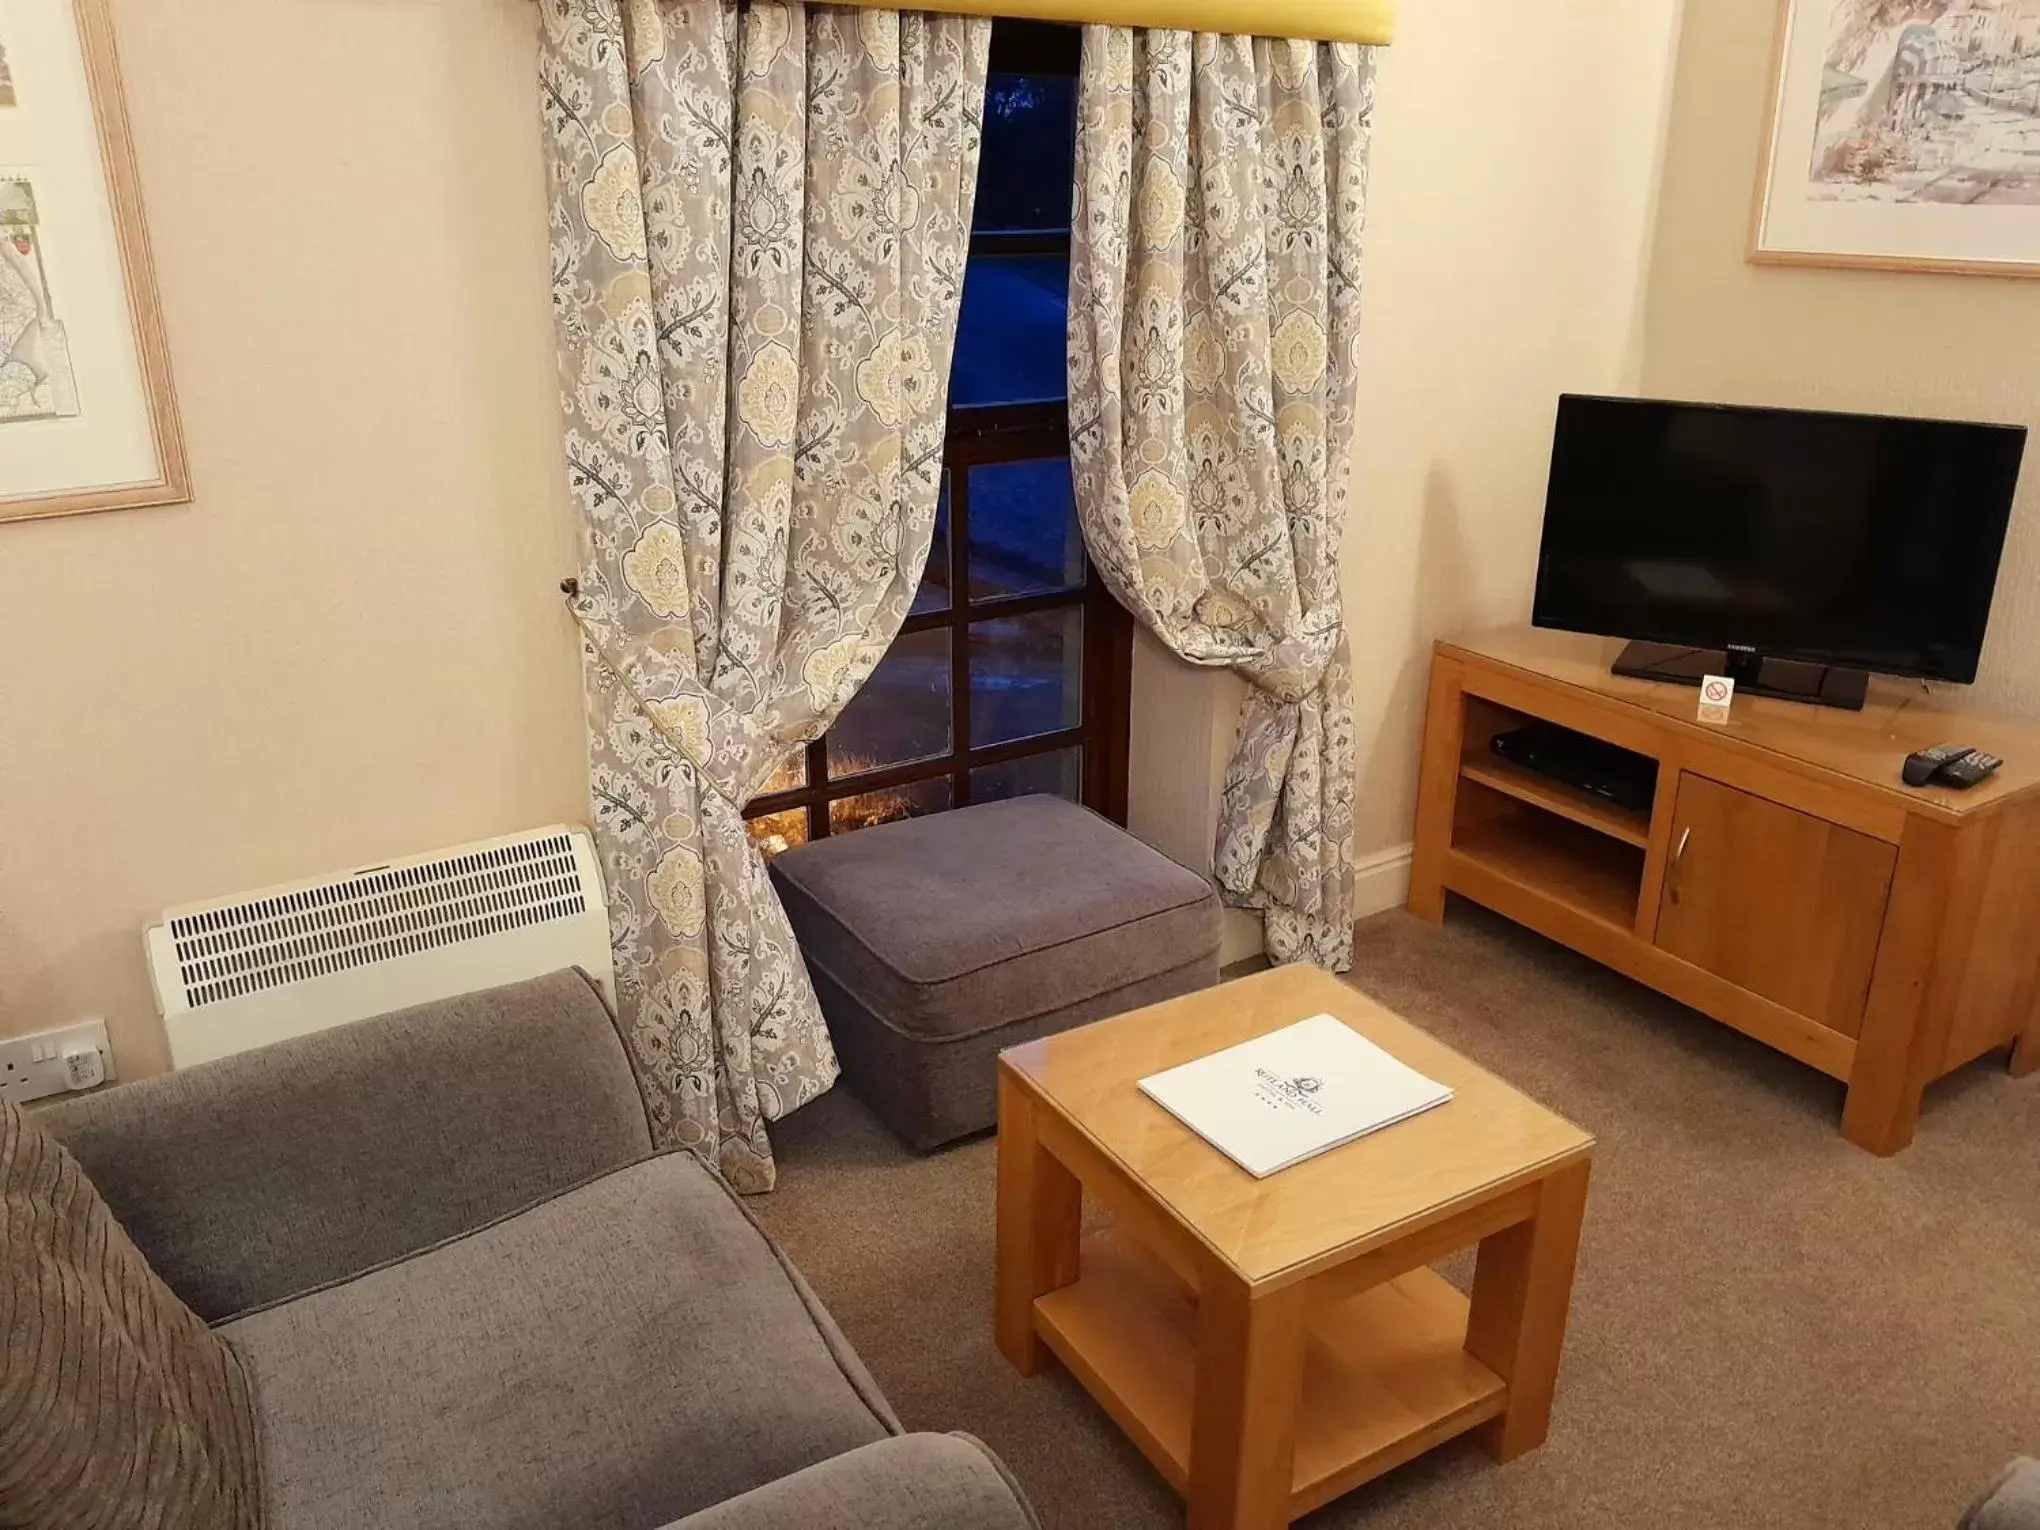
(979, 438)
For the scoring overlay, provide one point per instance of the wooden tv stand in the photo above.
(1784, 881)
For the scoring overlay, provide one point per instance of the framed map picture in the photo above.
(1905, 135)
(88, 420)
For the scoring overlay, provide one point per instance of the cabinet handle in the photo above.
(1672, 874)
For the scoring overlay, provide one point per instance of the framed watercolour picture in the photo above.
(88, 420)
(1905, 135)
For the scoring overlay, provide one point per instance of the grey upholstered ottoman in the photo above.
(935, 943)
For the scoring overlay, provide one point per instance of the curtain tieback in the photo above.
(1294, 668)
(669, 719)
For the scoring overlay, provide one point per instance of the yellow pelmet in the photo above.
(1355, 21)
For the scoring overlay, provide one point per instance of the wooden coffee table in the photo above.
(1270, 1344)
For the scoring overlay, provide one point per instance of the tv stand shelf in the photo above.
(1626, 824)
(1554, 860)
(1784, 880)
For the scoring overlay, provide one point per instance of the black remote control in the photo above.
(1923, 765)
(1964, 773)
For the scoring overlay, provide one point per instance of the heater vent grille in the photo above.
(242, 948)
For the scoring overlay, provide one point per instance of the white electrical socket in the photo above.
(48, 1061)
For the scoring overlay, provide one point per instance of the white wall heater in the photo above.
(284, 961)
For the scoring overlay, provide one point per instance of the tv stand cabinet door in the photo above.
(1776, 901)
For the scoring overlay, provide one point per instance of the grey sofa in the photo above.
(470, 1294)
(2013, 1502)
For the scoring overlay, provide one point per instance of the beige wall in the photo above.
(349, 645)
(1516, 156)
(1720, 328)
(1515, 170)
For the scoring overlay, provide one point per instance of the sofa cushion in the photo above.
(620, 1356)
(917, 1482)
(962, 923)
(264, 1174)
(117, 1405)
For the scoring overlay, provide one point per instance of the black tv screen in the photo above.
(1840, 539)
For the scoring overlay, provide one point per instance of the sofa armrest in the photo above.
(263, 1175)
(2014, 1504)
(915, 1482)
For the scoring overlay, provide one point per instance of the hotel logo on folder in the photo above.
(1292, 1094)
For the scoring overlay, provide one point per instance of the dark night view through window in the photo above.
(1010, 675)
(1016, 292)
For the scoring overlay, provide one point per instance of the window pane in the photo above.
(902, 714)
(1026, 675)
(779, 831)
(915, 801)
(933, 594)
(1058, 774)
(1023, 529)
(791, 773)
(1011, 342)
(1028, 169)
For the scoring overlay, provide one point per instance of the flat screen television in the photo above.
(1791, 549)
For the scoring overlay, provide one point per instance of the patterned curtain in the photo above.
(1214, 310)
(759, 223)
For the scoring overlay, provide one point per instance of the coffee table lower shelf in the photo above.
(1386, 1374)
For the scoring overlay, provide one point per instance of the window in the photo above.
(1010, 675)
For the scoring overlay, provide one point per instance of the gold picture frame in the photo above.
(146, 394)
(1881, 170)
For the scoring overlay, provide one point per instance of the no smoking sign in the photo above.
(1716, 692)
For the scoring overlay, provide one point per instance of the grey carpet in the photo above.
(1770, 1327)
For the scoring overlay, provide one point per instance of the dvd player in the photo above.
(1591, 765)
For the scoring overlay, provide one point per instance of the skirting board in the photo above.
(1381, 881)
